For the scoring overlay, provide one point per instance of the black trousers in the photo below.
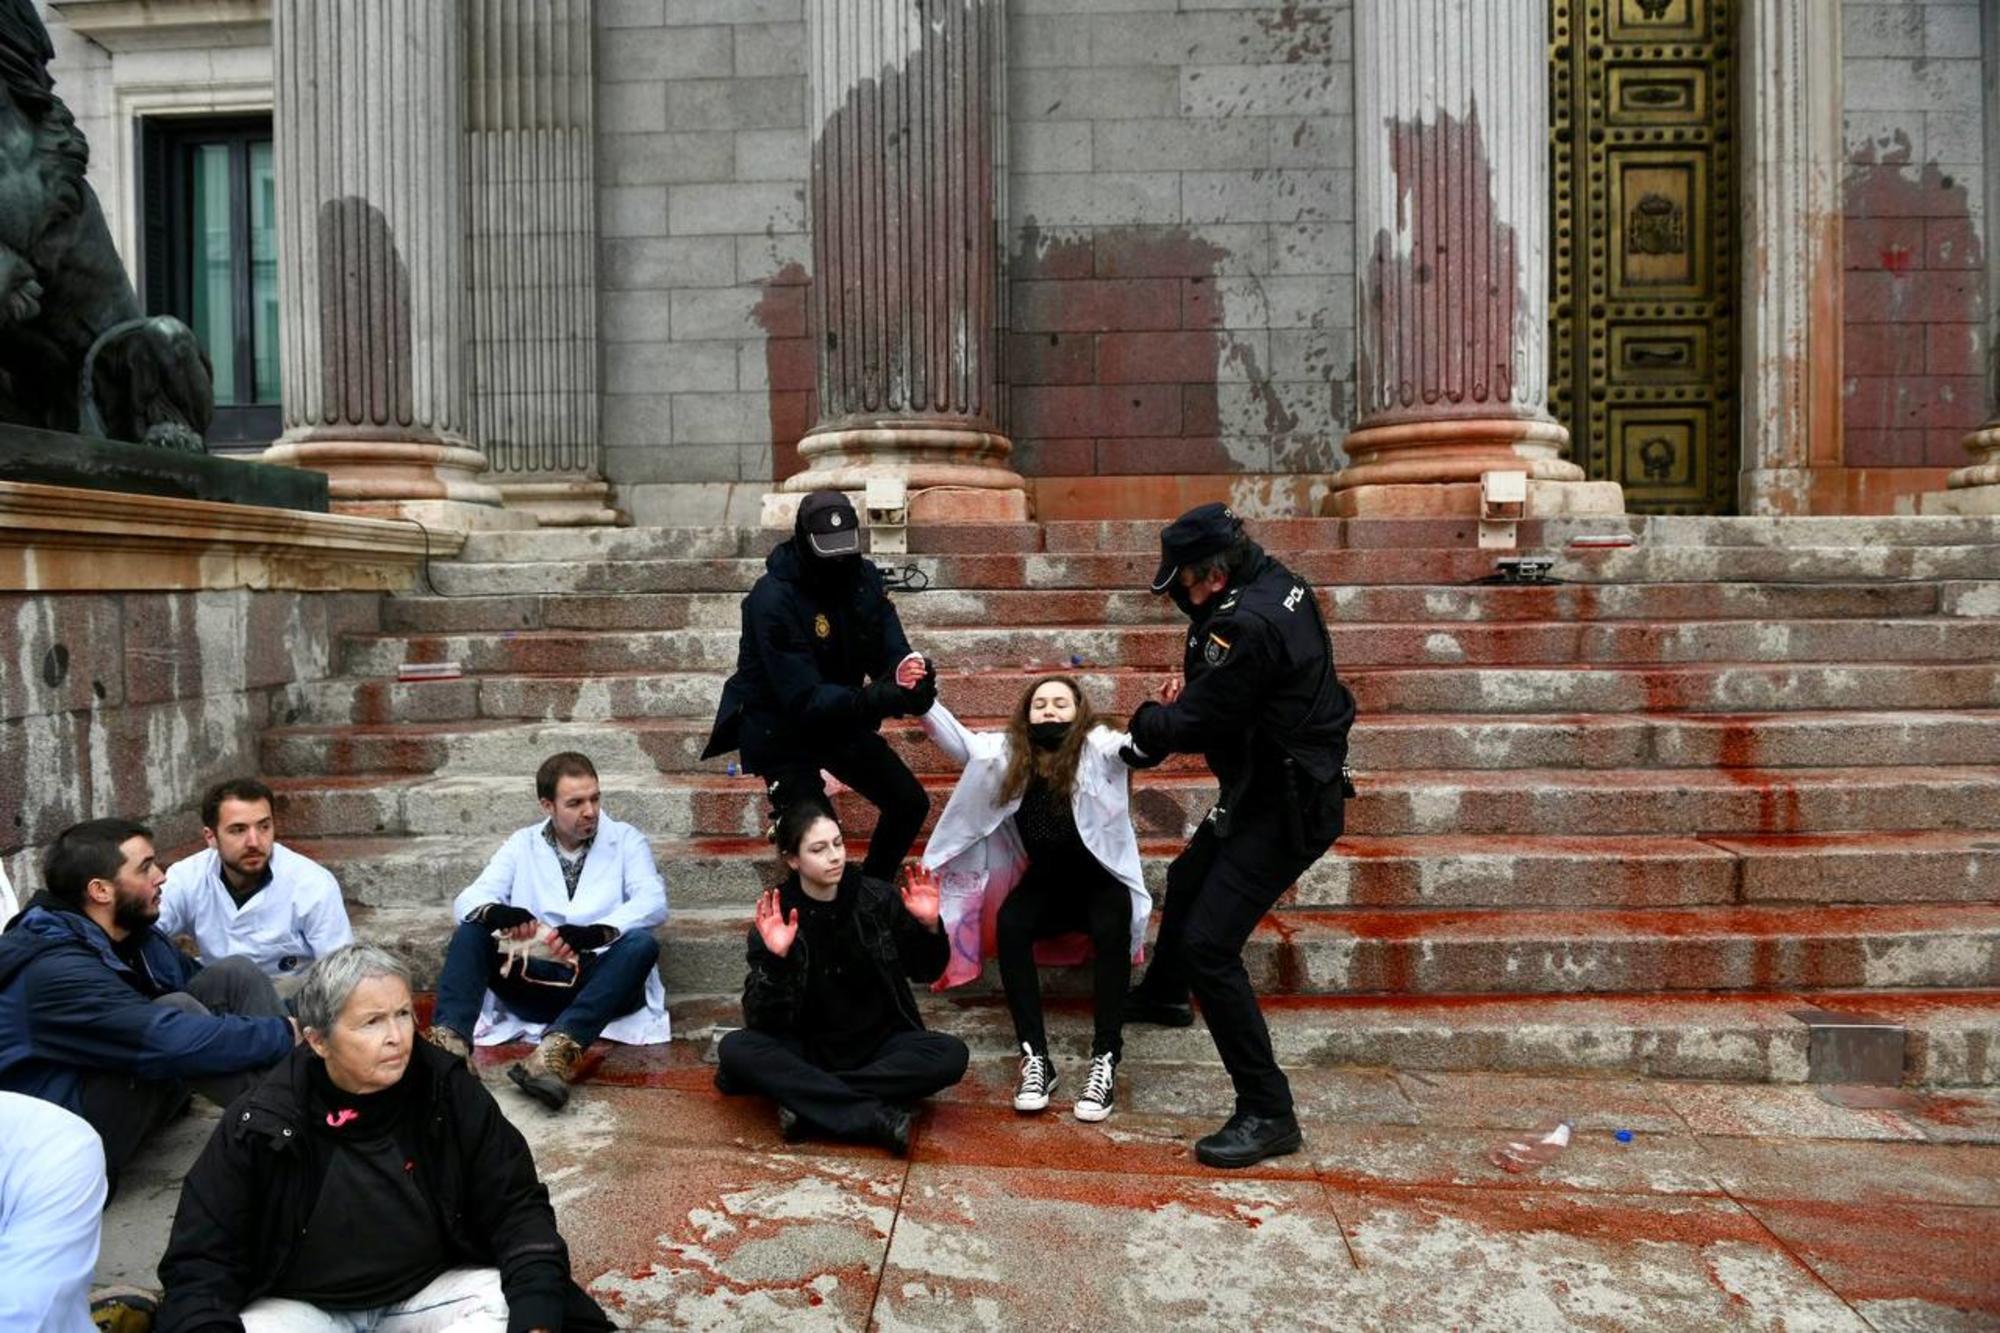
(906, 1066)
(868, 765)
(1218, 889)
(125, 1109)
(1054, 901)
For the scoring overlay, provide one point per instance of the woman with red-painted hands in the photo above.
(831, 1031)
(1040, 863)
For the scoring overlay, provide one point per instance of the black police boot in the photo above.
(1142, 1007)
(891, 1130)
(1248, 1139)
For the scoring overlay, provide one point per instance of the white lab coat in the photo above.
(294, 919)
(620, 887)
(51, 1215)
(8, 904)
(979, 857)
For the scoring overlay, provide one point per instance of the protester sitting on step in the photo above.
(250, 896)
(554, 941)
(102, 1015)
(831, 1031)
(815, 625)
(370, 1182)
(1036, 842)
(52, 1192)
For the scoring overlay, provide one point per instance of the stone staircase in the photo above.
(1633, 821)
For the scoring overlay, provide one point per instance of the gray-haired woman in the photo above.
(369, 1181)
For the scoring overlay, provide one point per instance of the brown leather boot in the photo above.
(547, 1073)
(450, 1042)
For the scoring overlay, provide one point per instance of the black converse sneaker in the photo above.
(1038, 1080)
(1095, 1104)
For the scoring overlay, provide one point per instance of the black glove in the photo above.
(923, 694)
(884, 698)
(502, 916)
(585, 938)
(1134, 758)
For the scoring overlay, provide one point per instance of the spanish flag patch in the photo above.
(1216, 650)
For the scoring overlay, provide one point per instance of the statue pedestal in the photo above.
(53, 458)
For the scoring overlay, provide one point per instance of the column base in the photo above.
(953, 475)
(1973, 490)
(1461, 499)
(436, 483)
(580, 503)
(1445, 450)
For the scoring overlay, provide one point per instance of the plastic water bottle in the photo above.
(1533, 1150)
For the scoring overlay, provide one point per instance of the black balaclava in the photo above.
(1048, 735)
(835, 573)
(1197, 615)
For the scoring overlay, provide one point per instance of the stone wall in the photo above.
(1181, 203)
(1915, 239)
(133, 703)
(703, 252)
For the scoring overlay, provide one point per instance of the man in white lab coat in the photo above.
(52, 1192)
(554, 942)
(250, 896)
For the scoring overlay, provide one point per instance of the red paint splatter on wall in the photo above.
(1914, 297)
(1462, 272)
(788, 364)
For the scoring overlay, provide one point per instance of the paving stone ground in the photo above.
(1734, 1206)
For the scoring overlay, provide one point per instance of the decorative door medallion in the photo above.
(1643, 359)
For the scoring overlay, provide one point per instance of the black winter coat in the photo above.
(800, 665)
(252, 1190)
(902, 949)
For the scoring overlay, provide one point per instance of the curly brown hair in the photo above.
(1056, 767)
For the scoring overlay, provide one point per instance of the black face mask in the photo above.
(1047, 735)
(1180, 598)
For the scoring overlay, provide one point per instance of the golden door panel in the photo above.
(1643, 361)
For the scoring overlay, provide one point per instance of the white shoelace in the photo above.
(1034, 1075)
(1097, 1088)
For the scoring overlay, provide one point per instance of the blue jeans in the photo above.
(612, 985)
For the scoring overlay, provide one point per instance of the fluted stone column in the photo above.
(370, 129)
(908, 117)
(531, 178)
(1451, 250)
(1975, 489)
(1791, 330)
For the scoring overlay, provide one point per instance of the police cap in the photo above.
(1201, 531)
(827, 521)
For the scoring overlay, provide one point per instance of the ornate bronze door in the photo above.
(1643, 349)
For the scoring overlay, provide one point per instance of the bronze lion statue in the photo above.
(76, 351)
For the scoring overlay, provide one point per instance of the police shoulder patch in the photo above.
(1216, 650)
(822, 626)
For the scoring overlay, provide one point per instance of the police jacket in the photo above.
(71, 1005)
(1260, 686)
(252, 1191)
(807, 646)
(902, 949)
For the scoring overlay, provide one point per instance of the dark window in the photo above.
(211, 258)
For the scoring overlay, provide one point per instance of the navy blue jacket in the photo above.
(70, 1006)
(800, 664)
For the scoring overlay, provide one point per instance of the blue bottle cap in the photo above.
(1623, 1135)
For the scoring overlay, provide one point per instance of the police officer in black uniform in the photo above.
(1263, 706)
(816, 626)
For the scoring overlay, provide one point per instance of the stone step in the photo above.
(1548, 802)
(1378, 743)
(1952, 1037)
(1434, 871)
(1303, 952)
(1276, 534)
(1689, 688)
(1631, 643)
(1567, 603)
(1133, 571)
(1292, 534)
